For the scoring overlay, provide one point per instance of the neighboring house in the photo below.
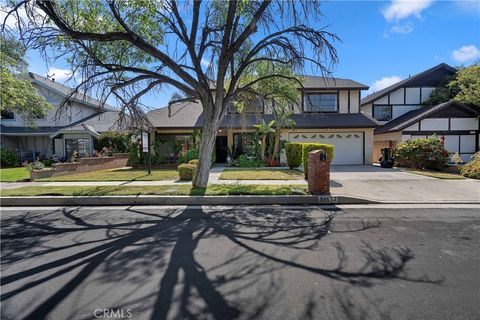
(63, 130)
(400, 111)
(329, 113)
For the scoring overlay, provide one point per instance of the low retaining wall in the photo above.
(118, 160)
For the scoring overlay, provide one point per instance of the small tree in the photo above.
(264, 129)
(17, 93)
(282, 120)
(467, 83)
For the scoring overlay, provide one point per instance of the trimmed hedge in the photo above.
(307, 147)
(186, 171)
(293, 151)
(193, 161)
(472, 169)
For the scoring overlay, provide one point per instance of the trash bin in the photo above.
(386, 160)
(318, 172)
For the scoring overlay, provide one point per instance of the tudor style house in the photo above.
(60, 132)
(328, 113)
(399, 110)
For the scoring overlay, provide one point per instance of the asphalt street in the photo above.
(305, 262)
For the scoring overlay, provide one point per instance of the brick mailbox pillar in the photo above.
(318, 172)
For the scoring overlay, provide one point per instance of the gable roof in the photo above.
(189, 115)
(417, 79)
(317, 82)
(413, 116)
(64, 91)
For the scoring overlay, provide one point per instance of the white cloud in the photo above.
(383, 83)
(401, 9)
(205, 62)
(466, 53)
(59, 74)
(402, 29)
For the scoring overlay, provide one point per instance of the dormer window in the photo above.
(320, 102)
(7, 115)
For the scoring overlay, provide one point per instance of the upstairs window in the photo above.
(382, 113)
(320, 102)
(7, 115)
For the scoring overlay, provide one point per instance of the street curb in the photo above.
(178, 200)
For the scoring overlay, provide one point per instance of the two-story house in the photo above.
(61, 131)
(400, 111)
(329, 112)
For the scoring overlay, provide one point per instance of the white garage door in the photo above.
(348, 147)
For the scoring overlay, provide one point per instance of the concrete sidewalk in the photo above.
(365, 182)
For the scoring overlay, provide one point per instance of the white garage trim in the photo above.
(349, 147)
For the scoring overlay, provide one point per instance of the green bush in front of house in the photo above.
(186, 171)
(8, 158)
(422, 153)
(115, 141)
(293, 151)
(308, 147)
(191, 154)
(245, 161)
(472, 168)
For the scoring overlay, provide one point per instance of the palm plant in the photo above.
(282, 120)
(264, 129)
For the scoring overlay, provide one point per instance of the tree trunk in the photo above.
(277, 144)
(264, 146)
(209, 135)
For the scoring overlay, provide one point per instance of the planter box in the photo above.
(118, 160)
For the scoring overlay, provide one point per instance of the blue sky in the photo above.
(382, 41)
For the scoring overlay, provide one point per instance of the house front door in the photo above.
(221, 145)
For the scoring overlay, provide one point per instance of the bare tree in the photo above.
(209, 50)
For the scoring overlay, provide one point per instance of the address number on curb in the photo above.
(327, 199)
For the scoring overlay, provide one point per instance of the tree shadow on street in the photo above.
(176, 254)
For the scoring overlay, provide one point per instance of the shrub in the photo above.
(472, 169)
(36, 165)
(293, 152)
(245, 161)
(194, 161)
(191, 154)
(8, 158)
(186, 171)
(422, 153)
(307, 147)
(48, 162)
(115, 141)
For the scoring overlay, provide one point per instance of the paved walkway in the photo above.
(366, 182)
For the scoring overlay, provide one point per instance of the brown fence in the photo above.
(118, 160)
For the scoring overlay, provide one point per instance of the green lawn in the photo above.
(119, 175)
(212, 190)
(14, 174)
(261, 174)
(436, 174)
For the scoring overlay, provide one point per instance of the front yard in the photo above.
(14, 174)
(260, 174)
(119, 175)
(171, 190)
(436, 174)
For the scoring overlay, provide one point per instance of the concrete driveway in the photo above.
(379, 184)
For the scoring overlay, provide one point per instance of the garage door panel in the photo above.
(348, 147)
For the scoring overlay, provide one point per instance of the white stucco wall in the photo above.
(464, 123)
(431, 124)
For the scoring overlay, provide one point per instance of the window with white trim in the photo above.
(320, 102)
